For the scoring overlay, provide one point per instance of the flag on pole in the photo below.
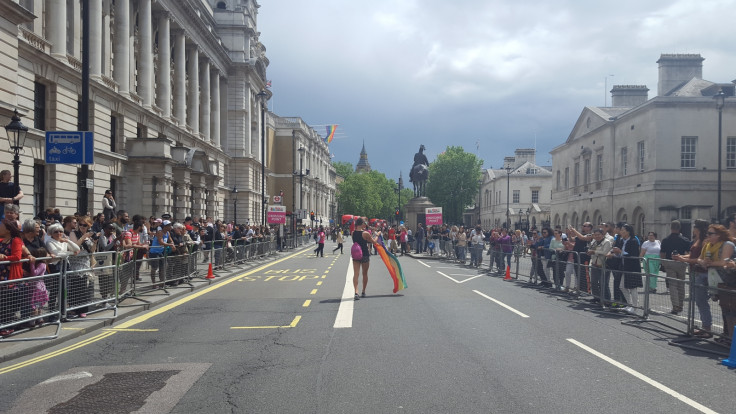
(330, 133)
(268, 84)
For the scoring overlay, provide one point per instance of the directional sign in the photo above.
(433, 216)
(70, 147)
(276, 214)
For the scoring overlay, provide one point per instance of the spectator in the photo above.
(160, 243)
(650, 250)
(11, 250)
(8, 192)
(506, 249)
(108, 205)
(675, 244)
(59, 247)
(699, 276)
(543, 254)
(631, 267)
(31, 235)
(599, 249)
(580, 257)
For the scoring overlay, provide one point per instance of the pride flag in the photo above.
(393, 266)
(330, 133)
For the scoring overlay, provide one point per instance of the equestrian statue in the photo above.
(419, 172)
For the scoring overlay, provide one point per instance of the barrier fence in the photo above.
(78, 287)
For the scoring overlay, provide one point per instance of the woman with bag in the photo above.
(362, 238)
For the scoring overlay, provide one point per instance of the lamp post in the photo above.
(263, 96)
(480, 190)
(235, 204)
(16, 138)
(508, 191)
(720, 98)
(301, 173)
(527, 219)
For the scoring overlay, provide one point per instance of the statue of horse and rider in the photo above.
(419, 172)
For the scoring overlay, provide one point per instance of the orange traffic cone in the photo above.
(508, 273)
(210, 275)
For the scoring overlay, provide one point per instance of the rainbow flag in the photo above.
(393, 266)
(330, 133)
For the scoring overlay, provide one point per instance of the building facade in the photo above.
(177, 104)
(649, 161)
(518, 195)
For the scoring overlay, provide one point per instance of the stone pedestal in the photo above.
(414, 212)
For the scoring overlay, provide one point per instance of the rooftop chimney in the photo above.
(629, 95)
(676, 69)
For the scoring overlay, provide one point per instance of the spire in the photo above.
(363, 164)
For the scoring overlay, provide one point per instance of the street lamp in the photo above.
(235, 204)
(301, 174)
(720, 98)
(263, 96)
(480, 190)
(527, 219)
(16, 132)
(508, 191)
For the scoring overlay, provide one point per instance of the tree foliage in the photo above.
(453, 182)
(371, 195)
(343, 168)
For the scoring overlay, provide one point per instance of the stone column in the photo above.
(193, 103)
(204, 101)
(180, 78)
(57, 27)
(145, 75)
(163, 83)
(121, 65)
(215, 100)
(95, 37)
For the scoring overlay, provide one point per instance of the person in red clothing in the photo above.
(392, 239)
(11, 250)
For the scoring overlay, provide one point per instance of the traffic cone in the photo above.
(731, 360)
(210, 275)
(508, 273)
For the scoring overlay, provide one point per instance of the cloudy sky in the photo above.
(507, 74)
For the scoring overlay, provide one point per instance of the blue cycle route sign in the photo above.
(70, 147)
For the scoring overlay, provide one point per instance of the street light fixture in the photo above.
(720, 98)
(263, 96)
(235, 204)
(508, 188)
(301, 174)
(16, 132)
(480, 189)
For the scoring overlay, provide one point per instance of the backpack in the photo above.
(356, 251)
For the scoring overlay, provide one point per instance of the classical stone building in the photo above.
(649, 161)
(520, 184)
(177, 103)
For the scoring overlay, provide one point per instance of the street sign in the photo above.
(70, 147)
(433, 216)
(276, 214)
(277, 199)
(90, 183)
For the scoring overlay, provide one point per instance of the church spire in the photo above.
(363, 164)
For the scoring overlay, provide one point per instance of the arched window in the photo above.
(221, 5)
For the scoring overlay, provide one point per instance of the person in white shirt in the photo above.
(650, 250)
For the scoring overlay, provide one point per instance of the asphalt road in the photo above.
(455, 341)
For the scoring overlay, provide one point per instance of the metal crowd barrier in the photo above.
(92, 284)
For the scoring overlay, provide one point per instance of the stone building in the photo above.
(649, 161)
(177, 103)
(523, 186)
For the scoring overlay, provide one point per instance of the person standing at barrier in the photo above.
(339, 242)
(613, 265)
(419, 237)
(675, 271)
(58, 247)
(108, 205)
(11, 250)
(582, 239)
(140, 246)
(159, 243)
(462, 243)
(107, 243)
(717, 252)
(506, 249)
(699, 277)
(599, 249)
(543, 255)
(362, 237)
(631, 267)
(476, 246)
(558, 258)
(650, 250)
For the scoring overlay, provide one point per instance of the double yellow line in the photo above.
(128, 325)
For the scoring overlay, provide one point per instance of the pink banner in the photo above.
(433, 216)
(276, 215)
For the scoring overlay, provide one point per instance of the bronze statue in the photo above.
(419, 172)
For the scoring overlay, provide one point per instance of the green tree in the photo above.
(343, 168)
(453, 182)
(371, 195)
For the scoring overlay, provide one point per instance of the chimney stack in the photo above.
(676, 69)
(629, 95)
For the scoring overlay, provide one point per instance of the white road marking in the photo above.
(447, 277)
(655, 384)
(344, 318)
(78, 375)
(459, 281)
(523, 315)
(422, 263)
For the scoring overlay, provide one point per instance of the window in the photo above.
(624, 160)
(80, 127)
(641, 155)
(567, 177)
(535, 196)
(586, 171)
(576, 176)
(687, 152)
(686, 213)
(113, 132)
(39, 187)
(39, 106)
(558, 180)
(599, 167)
(517, 195)
(731, 152)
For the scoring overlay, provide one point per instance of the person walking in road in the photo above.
(339, 242)
(362, 237)
(320, 250)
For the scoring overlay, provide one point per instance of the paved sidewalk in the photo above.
(127, 308)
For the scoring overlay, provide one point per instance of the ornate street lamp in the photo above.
(720, 98)
(16, 132)
(508, 187)
(235, 204)
(263, 96)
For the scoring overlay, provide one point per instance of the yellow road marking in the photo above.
(144, 318)
(73, 329)
(324, 276)
(313, 292)
(130, 330)
(307, 303)
(291, 325)
(55, 353)
(319, 283)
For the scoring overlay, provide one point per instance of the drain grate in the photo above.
(116, 392)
